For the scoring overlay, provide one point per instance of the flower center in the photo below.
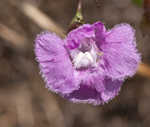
(85, 59)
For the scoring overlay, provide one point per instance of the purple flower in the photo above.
(90, 64)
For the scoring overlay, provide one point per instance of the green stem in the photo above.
(78, 18)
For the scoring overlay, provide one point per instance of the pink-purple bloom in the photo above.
(90, 64)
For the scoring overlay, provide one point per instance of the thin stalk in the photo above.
(78, 18)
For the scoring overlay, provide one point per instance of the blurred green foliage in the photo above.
(138, 2)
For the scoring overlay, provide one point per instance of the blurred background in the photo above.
(24, 100)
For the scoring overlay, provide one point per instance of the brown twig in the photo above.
(13, 37)
(41, 19)
(144, 70)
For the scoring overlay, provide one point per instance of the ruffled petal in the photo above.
(54, 62)
(85, 94)
(75, 37)
(99, 92)
(112, 88)
(95, 88)
(120, 57)
(100, 30)
(121, 33)
(91, 86)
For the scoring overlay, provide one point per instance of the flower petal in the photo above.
(99, 33)
(76, 36)
(121, 33)
(120, 57)
(112, 88)
(95, 88)
(98, 95)
(55, 65)
(85, 94)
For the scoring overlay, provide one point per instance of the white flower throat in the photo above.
(85, 59)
